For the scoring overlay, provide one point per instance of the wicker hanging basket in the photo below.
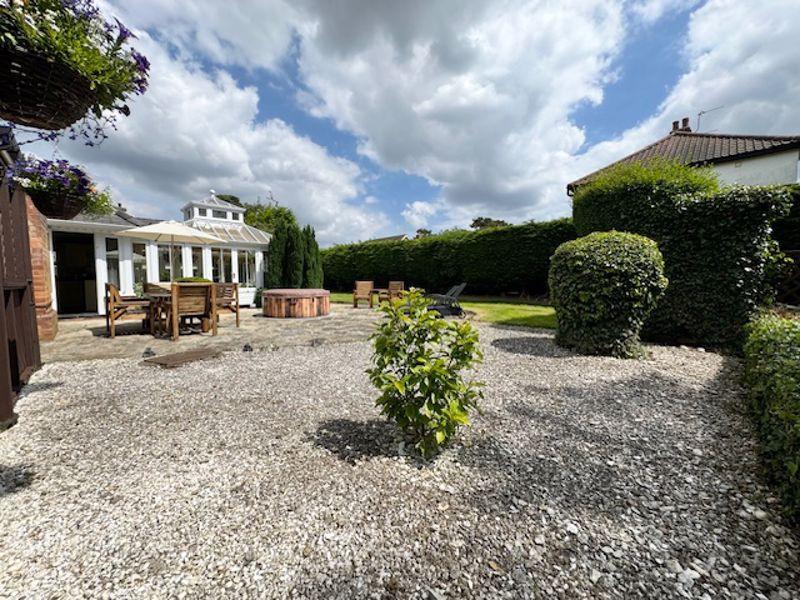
(57, 205)
(39, 91)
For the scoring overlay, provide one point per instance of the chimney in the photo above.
(685, 124)
(674, 126)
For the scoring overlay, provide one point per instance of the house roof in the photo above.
(231, 231)
(119, 217)
(211, 201)
(696, 149)
(391, 238)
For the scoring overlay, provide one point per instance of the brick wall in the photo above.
(46, 318)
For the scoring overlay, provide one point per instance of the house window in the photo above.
(237, 216)
(202, 212)
(219, 214)
(170, 264)
(197, 261)
(112, 260)
(247, 268)
(221, 262)
(139, 267)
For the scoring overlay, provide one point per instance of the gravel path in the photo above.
(270, 474)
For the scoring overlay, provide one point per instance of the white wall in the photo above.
(781, 167)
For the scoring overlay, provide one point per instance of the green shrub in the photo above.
(312, 263)
(492, 261)
(293, 268)
(417, 367)
(192, 280)
(276, 256)
(603, 287)
(772, 375)
(715, 245)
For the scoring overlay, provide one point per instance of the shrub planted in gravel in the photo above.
(492, 261)
(772, 374)
(715, 244)
(603, 287)
(417, 366)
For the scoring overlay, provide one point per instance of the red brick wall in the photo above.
(46, 318)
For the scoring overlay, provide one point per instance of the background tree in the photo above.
(276, 257)
(267, 216)
(312, 262)
(423, 233)
(487, 223)
(293, 264)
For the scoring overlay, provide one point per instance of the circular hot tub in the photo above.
(296, 303)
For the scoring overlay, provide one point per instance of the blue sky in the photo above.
(370, 118)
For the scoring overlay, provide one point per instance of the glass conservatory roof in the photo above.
(231, 231)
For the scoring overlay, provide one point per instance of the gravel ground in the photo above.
(270, 474)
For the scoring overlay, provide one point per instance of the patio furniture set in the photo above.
(166, 307)
(445, 304)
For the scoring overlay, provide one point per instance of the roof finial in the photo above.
(213, 193)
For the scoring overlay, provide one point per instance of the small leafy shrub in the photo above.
(716, 244)
(603, 287)
(192, 280)
(787, 229)
(493, 261)
(417, 367)
(772, 375)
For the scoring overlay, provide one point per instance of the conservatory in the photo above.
(86, 253)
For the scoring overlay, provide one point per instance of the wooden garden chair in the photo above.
(124, 308)
(363, 291)
(192, 301)
(395, 290)
(228, 298)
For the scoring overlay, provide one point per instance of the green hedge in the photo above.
(787, 229)
(714, 244)
(603, 287)
(772, 375)
(492, 261)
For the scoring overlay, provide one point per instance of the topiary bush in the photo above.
(716, 244)
(417, 367)
(787, 229)
(492, 261)
(603, 287)
(772, 376)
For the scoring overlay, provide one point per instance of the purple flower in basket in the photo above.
(124, 33)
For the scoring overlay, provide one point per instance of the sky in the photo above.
(371, 118)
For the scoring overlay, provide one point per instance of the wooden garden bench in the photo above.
(124, 308)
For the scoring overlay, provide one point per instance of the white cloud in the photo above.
(418, 214)
(195, 130)
(650, 11)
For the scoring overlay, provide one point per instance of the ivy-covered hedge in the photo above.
(714, 244)
(603, 287)
(787, 229)
(492, 261)
(772, 375)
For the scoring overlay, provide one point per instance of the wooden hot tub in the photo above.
(296, 304)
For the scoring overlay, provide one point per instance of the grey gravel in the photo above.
(270, 474)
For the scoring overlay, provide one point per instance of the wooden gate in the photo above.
(19, 340)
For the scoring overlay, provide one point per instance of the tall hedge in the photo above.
(312, 262)
(714, 244)
(295, 250)
(772, 374)
(492, 261)
(276, 257)
(787, 229)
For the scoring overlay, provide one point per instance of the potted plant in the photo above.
(59, 190)
(61, 62)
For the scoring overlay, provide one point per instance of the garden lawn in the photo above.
(498, 312)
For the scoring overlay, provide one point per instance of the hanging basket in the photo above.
(41, 92)
(57, 205)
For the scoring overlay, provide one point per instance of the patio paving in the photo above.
(272, 475)
(86, 339)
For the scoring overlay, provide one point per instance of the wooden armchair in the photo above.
(124, 308)
(228, 298)
(363, 291)
(192, 300)
(395, 290)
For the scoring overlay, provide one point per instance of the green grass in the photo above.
(499, 312)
